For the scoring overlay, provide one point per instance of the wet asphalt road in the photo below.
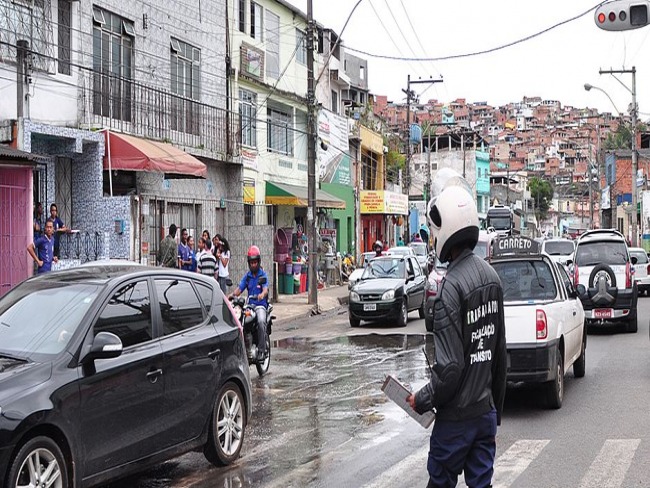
(320, 419)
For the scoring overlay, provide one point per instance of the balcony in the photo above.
(107, 101)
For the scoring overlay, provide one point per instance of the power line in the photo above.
(476, 53)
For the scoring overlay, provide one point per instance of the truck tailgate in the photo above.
(521, 322)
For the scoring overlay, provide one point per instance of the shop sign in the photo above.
(249, 191)
(396, 203)
(371, 202)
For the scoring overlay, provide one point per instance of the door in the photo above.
(121, 402)
(16, 231)
(192, 356)
(414, 287)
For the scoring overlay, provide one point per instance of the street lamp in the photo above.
(633, 113)
(588, 87)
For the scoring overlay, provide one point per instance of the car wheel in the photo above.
(39, 462)
(403, 318)
(632, 325)
(263, 367)
(579, 367)
(600, 268)
(227, 427)
(354, 322)
(421, 313)
(428, 323)
(555, 388)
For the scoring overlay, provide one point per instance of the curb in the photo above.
(343, 302)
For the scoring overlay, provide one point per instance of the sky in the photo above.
(554, 65)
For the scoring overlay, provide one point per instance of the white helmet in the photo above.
(452, 213)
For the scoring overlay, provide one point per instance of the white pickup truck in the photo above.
(545, 321)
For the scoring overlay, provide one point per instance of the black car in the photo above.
(390, 287)
(107, 369)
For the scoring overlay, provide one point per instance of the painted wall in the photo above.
(344, 237)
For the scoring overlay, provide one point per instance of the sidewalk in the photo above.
(289, 308)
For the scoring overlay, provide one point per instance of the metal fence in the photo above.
(113, 102)
(81, 246)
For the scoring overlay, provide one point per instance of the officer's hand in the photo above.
(411, 400)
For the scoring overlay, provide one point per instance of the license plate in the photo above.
(603, 313)
(369, 307)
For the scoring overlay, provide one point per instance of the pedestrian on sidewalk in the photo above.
(42, 251)
(468, 377)
(184, 257)
(190, 244)
(208, 241)
(206, 262)
(168, 250)
(223, 258)
(59, 228)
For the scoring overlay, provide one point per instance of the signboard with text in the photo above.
(333, 162)
(383, 202)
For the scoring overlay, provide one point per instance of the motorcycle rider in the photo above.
(468, 377)
(378, 247)
(257, 294)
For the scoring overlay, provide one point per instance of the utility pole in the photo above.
(635, 163)
(22, 47)
(312, 299)
(410, 95)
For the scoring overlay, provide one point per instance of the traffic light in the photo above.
(622, 15)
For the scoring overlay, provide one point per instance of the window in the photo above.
(335, 102)
(362, 72)
(526, 280)
(257, 24)
(112, 65)
(301, 47)
(272, 45)
(248, 115)
(128, 315)
(280, 135)
(242, 15)
(205, 292)
(65, 20)
(31, 21)
(180, 308)
(249, 214)
(185, 82)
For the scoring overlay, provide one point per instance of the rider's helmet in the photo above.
(254, 257)
(452, 213)
(378, 247)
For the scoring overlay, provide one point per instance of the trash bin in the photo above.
(329, 261)
(288, 284)
(303, 279)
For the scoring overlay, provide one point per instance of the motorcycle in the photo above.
(247, 318)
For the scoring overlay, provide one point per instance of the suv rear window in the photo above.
(558, 248)
(641, 256)
(606, 252)
(526, 280)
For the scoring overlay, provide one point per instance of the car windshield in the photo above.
(606, 252)
(419, 249)
(559, 248)
(384, 268)
(526, 280)
(39, 318)
(641, 256)
(499, 223)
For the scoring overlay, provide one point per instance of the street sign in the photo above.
(622, 15)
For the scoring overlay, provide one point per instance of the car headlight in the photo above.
(389, 295)
(354, 296)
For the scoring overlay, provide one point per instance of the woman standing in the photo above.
(208, 241)
(190, 244)
(223, 258)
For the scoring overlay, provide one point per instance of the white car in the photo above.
(602, 264)
(544, 318)
(641, 277)
(421, 254)
(560, 250)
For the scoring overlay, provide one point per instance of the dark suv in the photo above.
(107, 369)
(602, 264)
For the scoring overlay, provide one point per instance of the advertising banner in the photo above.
(333, 162)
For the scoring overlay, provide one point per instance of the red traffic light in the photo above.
(601, 18)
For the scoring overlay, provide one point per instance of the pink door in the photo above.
(15, 226)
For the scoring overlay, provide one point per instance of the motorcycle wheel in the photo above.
(263, 367)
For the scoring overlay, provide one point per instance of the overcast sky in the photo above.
(554, 65)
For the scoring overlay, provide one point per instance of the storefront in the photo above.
(381, 211)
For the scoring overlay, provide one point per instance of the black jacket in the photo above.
(469, 371)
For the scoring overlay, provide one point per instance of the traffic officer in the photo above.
(468, 376)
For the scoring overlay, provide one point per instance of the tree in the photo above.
(541, 192)
(622, 137)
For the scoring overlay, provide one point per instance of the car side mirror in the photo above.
(581, 290)
(410, 277)
(106, 345)
(634, 259)
(569, 262)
